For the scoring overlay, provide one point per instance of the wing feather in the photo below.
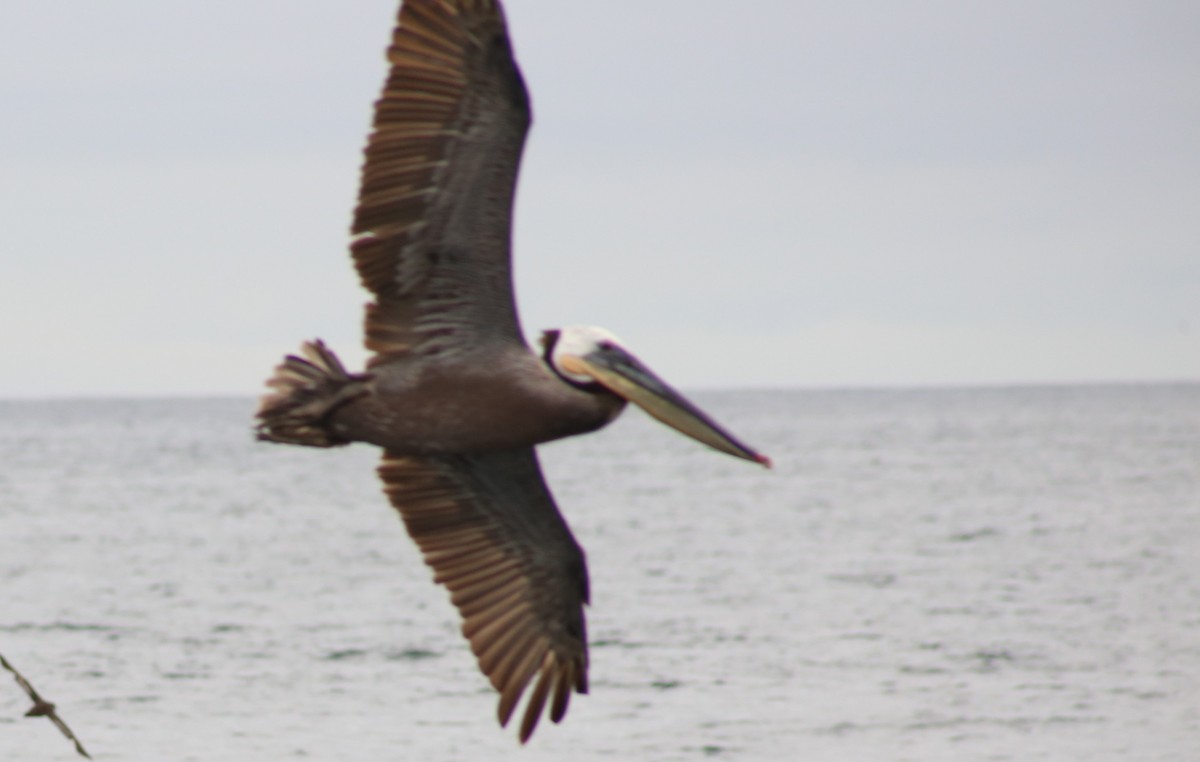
(433, 221)
(489, 528)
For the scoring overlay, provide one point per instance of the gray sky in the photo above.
(766, 193)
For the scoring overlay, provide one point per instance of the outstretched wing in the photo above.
(21, 681)
(62, 726)
(434, 215)
(489, 528)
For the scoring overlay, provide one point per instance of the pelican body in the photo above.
(451, 392)
(493, 399)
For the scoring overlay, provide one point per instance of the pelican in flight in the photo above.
(452, 393)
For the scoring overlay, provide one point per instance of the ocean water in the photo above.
(950, 574)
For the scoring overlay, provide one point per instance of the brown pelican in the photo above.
(42, 707)
(452, 393)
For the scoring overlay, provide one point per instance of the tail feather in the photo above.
(306, 390)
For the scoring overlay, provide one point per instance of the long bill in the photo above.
(625, 375)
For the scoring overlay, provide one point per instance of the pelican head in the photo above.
(594, 359)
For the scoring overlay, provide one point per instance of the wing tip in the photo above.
(557, 678)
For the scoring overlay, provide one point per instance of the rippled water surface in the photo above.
(991, 574)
